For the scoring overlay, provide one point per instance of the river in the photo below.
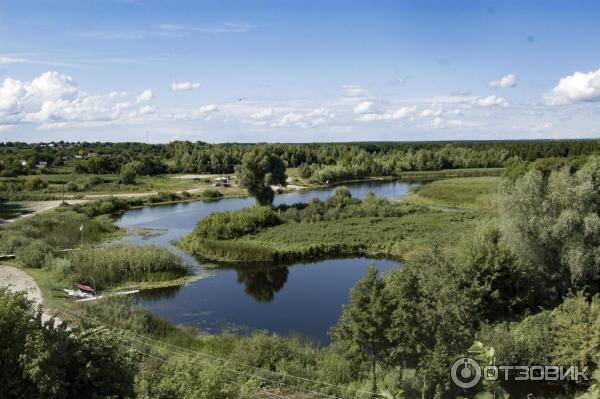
(303, 298)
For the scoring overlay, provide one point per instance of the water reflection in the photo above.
(163, 293)
(263, 284)
(305, 298)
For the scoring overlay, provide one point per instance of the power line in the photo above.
(245, 365)
(165, 361)
(142, 338)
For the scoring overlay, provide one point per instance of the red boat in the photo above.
(84, 288)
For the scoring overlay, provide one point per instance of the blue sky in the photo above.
(299, 71)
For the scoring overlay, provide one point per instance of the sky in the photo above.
(298, 71)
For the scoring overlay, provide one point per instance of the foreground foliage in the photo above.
(40, 361)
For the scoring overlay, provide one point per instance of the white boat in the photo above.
(77, 294)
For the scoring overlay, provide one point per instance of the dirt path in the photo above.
(41, 206)
(17, 280)
(136, 195)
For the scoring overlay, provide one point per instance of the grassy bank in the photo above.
(340, 226)
(62, 245)
(473, 193)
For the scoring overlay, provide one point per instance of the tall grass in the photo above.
(59, 229)
(114, 265)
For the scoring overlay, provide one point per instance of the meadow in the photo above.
(339, 227)
(473, 193)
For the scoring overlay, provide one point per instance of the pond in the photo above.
(303, 298)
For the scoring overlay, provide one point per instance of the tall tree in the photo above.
(260, 170)
(551, 221)
(363, 326)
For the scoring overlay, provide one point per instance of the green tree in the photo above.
(260, 170)
(39, 360)
(129, 172)
(489, 269)
(364, 323)
(433, 319)
(552, 223)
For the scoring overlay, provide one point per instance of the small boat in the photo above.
(77, 294)
(81, 291)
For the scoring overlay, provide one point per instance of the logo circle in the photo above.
(465, 373)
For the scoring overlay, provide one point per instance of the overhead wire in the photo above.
(144, 340)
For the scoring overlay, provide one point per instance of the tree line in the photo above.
(321, 161)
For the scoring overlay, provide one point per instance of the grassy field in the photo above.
(412, 176)
(382, 235)
(82, 185)
(391, 237)
(397, 237)
(471, 192)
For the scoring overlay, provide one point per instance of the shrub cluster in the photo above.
(229, 225)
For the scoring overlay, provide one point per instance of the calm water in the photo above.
(303, 298)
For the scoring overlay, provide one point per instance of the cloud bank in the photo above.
(579, 87)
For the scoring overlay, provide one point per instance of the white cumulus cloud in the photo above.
(489, 101)
(208, 109)
(55, 100)
(509, 80)
(182, 86)
(147, 109)
(363, 107)
(146, 95)
(401, 113)
(578, 87)
(262, 114)
(304, 119)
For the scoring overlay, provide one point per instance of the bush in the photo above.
(106, 206)
(72, 187)
(95, 180)
(34, 253)
(36, 184)
(163, 196)
(10, 241)
(304, 171)
(128, 173)
(228, 225)
(210, 194)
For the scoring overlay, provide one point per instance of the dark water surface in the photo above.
(302, 298)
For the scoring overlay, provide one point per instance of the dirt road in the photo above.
(41, 206)
(17, 280)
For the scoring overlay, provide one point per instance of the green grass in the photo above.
(451, 173)
(392, 237)
(469, 192)
(109, 185)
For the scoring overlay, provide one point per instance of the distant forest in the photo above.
(318, 161)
